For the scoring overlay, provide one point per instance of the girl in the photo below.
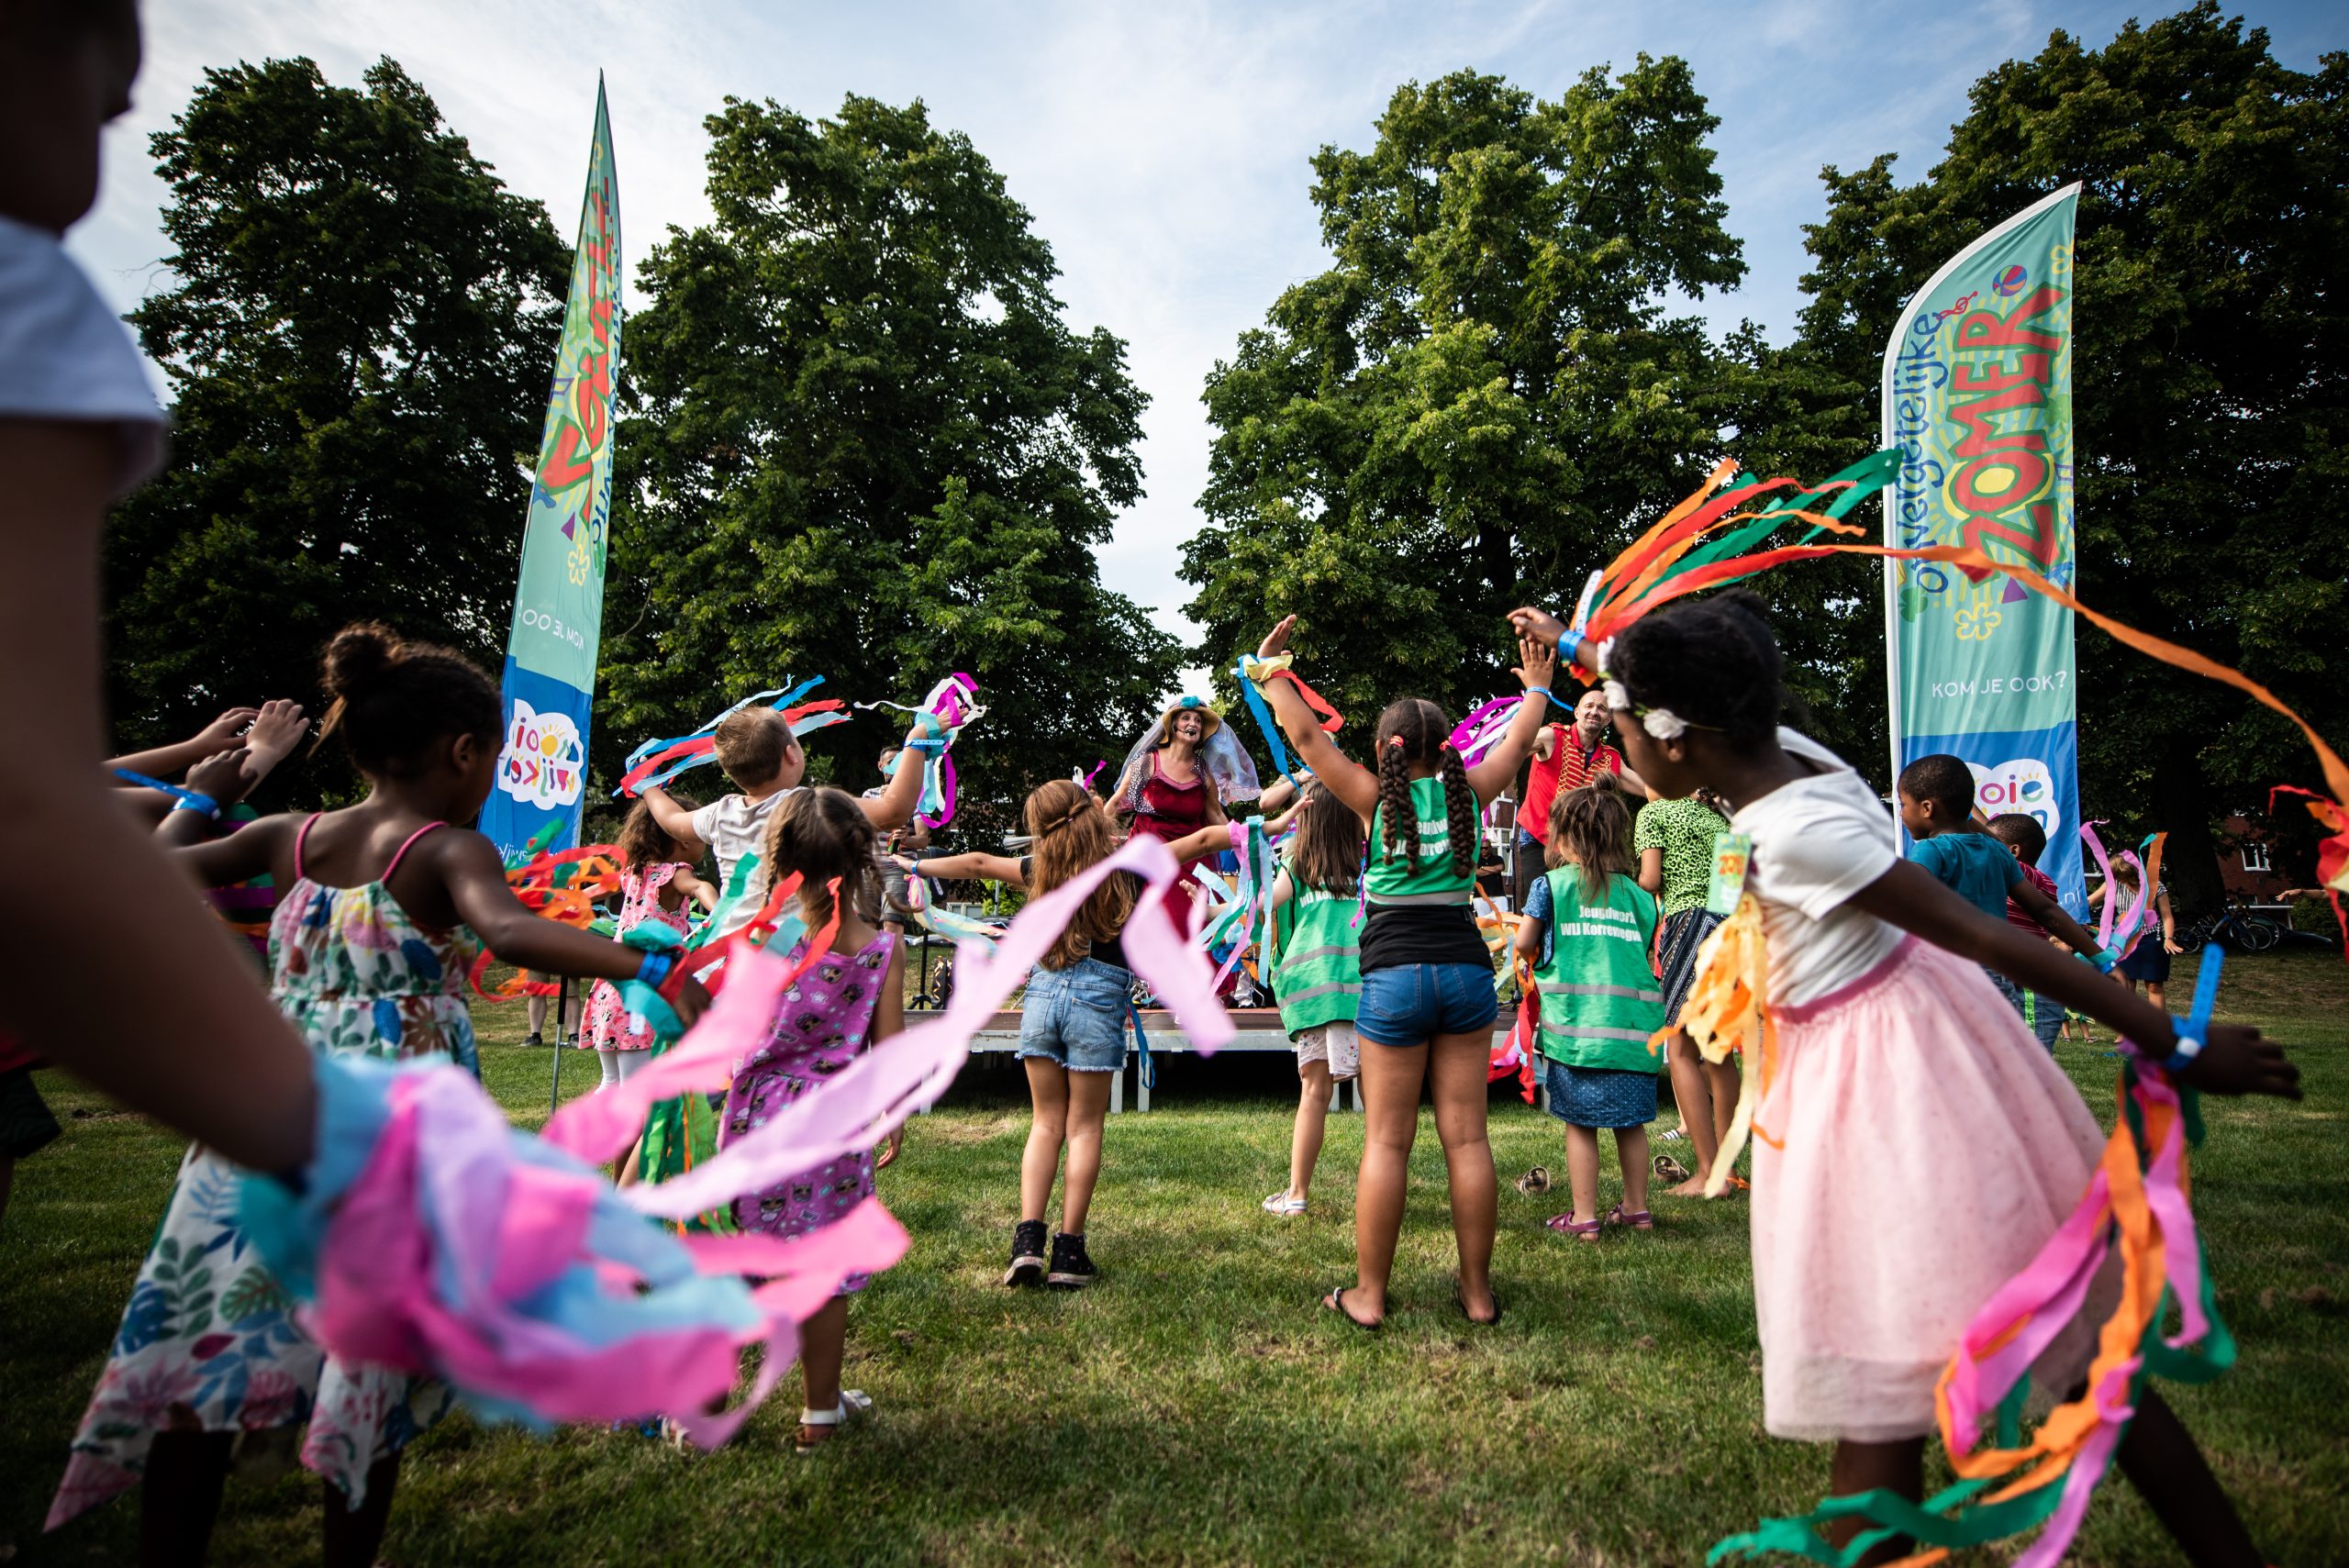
(1674, 840)
(1427, 1008)
(850, 1002)
(370, 947)
(657, 885)
(1073, 1021)
(1318, 981)
(2146, 963)
(1588, 930)
(1903, 1076)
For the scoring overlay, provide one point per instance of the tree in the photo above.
(358, 336)
(864, 443)
(1484, 394)
(2212, 380)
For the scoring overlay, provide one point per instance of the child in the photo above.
(758, 751)
(371, 946)
(849, 1003)
(1073, 1020)
(1937, 807)
(1901, 1080)
(657, 886)
(79, 428)
(2027, 840)
(1318, 982)
(1674, 840)
(1427, 1008)
(1587, 929)
(2146, 962)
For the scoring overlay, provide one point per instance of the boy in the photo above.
(1937, 807)
(2027, 840)
(758, 751)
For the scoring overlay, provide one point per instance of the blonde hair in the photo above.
(1070, 829)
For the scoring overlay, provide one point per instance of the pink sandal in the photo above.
(1567, 1225)
(1637, 1219)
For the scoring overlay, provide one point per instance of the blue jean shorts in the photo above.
(1410, 1003)
(1076, 1017)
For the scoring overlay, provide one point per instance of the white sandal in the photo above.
(815, 1427)
(1282, 1204)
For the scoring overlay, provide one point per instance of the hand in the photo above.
(904, 864)
(888, 1154)
(1276, 640)
(222, 776)
(2171, 944)
(224, 730)
(686, 996)
(1537, 663)
(2237, 1060)
(278, 728)
(1538, 625)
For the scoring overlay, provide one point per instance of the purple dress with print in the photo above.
(823, 1023)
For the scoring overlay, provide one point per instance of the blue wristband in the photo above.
(197, 800)
(656, 969)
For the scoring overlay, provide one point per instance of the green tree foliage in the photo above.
(864, 443)
(2211, 383)
(358, 332)
(1484, 394)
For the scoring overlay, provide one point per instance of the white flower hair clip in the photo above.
(1661, 723)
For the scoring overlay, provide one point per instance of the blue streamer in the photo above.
(1264, 718)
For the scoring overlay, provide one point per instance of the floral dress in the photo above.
(823, 1023)
(209, 1342)
(609, 1026)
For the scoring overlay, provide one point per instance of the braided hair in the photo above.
(1711, 660)
(822, 834)
(1414, 729)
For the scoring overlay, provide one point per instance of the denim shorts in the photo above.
(1076, 1017)
(1410, 1003)
(2046, 1018)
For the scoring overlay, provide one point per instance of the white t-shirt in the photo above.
(63, 355)
(735, 826)
(1817, 842)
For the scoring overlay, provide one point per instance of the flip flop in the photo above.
(1536, 1180)
(1567, 1225)
(1461, 1301)
(1336, 1302)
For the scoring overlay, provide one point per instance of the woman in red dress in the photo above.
(1175, 783)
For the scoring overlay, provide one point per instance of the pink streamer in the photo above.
(2048, 1292)
(1481, 731)
(854, 1108)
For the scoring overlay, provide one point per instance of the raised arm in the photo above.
(968, 868)
(674, 819)
(1537, 667)
(1352, 783)
(893, 806)
(164, 760)
(2237, 1060)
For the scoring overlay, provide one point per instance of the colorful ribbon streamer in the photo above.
(658, 761)
(951, 705)
(1252, 672)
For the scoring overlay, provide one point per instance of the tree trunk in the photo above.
(2182, 810)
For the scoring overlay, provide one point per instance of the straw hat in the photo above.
(1210, 720)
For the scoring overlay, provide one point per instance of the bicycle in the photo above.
(2237, 930)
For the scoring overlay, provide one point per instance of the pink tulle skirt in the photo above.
(1926, 1148)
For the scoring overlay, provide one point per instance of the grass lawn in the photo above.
(1194, 1408)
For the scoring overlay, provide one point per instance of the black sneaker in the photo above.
(1071, 1269)
(535, 1038)
(1028, 1254)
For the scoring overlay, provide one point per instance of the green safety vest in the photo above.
(1601, 1000)
(1422, 874)
(1319, 980)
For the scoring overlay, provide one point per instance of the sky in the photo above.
(1162, 148)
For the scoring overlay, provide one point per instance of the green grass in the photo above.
(1194, 1407)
